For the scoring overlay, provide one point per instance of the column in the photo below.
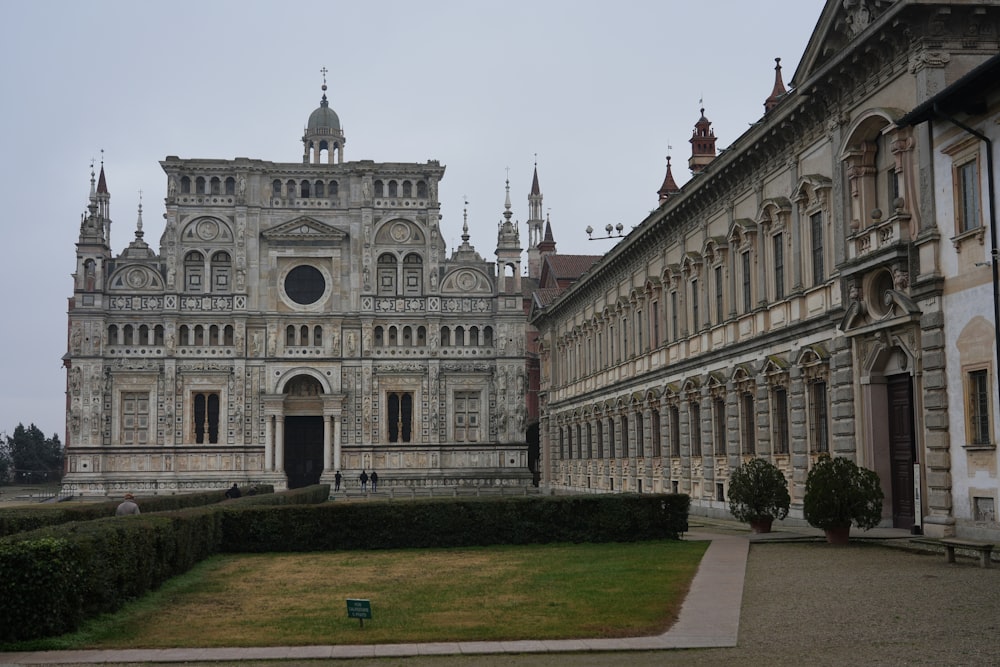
(268, 444)
(336, 443)
(326, 442)
(279, 443)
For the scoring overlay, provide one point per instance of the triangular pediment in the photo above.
(305, 229)
(840, 24)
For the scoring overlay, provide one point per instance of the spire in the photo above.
(465, 252)
(669, 187)
(138, 248)
(702, 144)
(535, 223)
(548, 244)
(779, 88)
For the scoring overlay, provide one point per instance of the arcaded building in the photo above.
(297, 319)
(822, 285)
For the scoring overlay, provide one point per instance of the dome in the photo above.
(324, 117)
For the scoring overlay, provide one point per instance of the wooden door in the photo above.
(901, 450)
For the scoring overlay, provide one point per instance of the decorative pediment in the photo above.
(135, 278)
(466, 281)
(841, 23)
(207, 230)
(305, 229)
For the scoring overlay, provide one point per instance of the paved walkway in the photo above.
(709, 618)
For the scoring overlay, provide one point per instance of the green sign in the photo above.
(359, 609)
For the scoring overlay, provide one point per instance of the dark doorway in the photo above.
(303, 450)
(901, 450)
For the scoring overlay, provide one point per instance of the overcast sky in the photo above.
(597, 90)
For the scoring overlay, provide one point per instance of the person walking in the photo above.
(374, 478)
(127, 506)
(363, 477)
(336, 481)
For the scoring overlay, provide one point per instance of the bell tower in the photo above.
(323, 134)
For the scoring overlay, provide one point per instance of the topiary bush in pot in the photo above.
(758, 494)
(839, 493)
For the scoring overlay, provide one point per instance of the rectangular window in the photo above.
(779, 419)
(600, 440)
(674, 333)
(624, 345)
(135, 418)
(399, 416)
(979, 408)
(675, 431)
(638, 332)
(747, 296)
(719, 310)
(749, 436)
(467, 416)
(654, 425)
(695, 324)
(695, 426)
(968, 196)
(779, 267)
(611, 439)
(819, 429)
(816, 239)
(206, 417)
(719, 426)
(656, 324)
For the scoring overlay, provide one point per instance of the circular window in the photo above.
(305, 285)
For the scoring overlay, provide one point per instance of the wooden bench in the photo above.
(984, 549)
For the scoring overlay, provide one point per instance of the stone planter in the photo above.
(761, 525)
(838, 535)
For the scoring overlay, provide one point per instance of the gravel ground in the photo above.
(810, 603)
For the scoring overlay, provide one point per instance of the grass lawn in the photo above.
(427, 595)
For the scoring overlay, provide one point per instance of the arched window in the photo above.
(128, 340)
(227, 335)
(474, 336)
(387, 275)
(393, 189)
(185, 185)
(393, 337)
(304, 185)
(407, 337)
(335, 189)
(158, 334)
(488, 336)
(379, 337)
(194, 271)
(445, 337)
(216, 186)
(422, 189)
(318, 336)
(276, 188)
(143, 338)
(421, 336)
(221, 269)
(407, 189)
(303, 335)
(199, 185)
(199, 335)
(379, 189)
(320, 189)
(213, 335)
(89, 275)
(460, 336)
(289, 335)
(290, 189)
(184, 335)
(230, 186)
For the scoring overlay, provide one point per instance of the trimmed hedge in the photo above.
(456, 522)
(30, 517)
(53, 578)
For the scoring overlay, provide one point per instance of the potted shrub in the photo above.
(758, 494)
(839, 493)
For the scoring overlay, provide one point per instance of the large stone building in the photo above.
(820, 286)
(298, 319)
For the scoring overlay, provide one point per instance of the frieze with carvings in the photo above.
(131, 364)
(134, 303)
(207, 303)
(393, 369)
(466, 305)
(395, 305)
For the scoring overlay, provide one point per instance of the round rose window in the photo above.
(305, 285)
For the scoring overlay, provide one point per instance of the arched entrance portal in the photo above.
(303, 441)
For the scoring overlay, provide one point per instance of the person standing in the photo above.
(127, 506)
(336, 481)
(374, 479)
(363, 477)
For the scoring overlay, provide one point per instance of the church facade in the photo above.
(299, 319)
(822, 286)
